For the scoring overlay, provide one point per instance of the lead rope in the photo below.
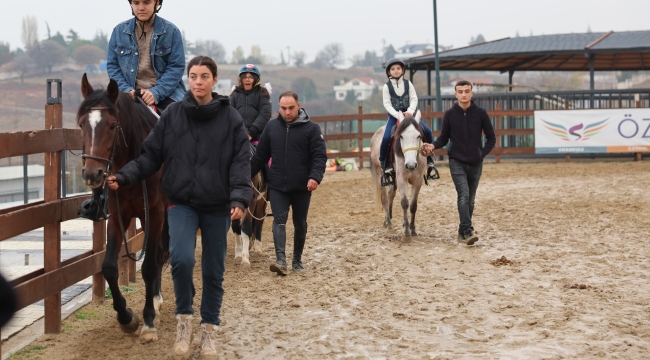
(266, 203)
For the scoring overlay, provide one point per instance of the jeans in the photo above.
(466, 178)
(184, 222)
(385, 141)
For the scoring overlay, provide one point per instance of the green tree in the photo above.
(350, 97)
(101, 41)
(72, 35)
(59, 39)
(5, 53)
(477, 40)
(305, 88)
(73, 45)
(238, 55)
(389, 53)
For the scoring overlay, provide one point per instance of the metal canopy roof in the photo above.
(628, 50)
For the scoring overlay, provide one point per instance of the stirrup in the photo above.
(435, 175)
(388, 179)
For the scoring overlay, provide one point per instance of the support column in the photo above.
(429, 79)
(510, 73)
(591, 80)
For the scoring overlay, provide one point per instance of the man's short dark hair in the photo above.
(289, 93)
(463, 83)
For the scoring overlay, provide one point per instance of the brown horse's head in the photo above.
(98, 120)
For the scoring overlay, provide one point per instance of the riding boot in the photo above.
(432, 173)
(279, 240)
(299, 236)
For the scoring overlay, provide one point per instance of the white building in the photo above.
(413, 50)
(12, 185)
(363, 88)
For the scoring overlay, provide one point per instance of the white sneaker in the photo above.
(184, 335)
(208, 341)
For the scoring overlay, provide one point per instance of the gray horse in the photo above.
(410, 168)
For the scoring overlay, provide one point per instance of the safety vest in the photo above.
(400, 103)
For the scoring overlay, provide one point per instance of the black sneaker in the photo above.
(467, 237)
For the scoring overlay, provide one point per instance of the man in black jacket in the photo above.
(464, 124)
(299, 156)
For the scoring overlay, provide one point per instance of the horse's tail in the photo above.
(377, 186)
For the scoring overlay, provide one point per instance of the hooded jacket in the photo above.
(463, 130)
(254, 107)
(206, 155)
(298, 152)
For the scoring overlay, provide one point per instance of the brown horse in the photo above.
(113, 128)
(248, 230)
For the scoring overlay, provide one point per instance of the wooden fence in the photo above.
(56, 275)
(427, 116)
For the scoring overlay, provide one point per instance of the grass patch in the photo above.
(125, 290)
(28, 351)
(86, 314)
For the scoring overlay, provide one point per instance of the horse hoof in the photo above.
(133, 325)
(246, 264)
(148, 334)
(238, 260)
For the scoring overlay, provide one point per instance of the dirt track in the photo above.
(561, 271)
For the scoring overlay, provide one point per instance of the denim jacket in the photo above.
(167, 57)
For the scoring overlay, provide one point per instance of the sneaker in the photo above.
(279, 267)
(184, 335)
(467, 237)
(208, 341)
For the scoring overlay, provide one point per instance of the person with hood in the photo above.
(146, 56)
(252, 101)
(206, 178)
(299, 156)
(463, 126)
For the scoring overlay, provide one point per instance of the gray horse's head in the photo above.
(408, 140)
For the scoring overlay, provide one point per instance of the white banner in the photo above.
(592, 131)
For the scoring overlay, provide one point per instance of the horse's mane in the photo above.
(134, 118)
(403, 125)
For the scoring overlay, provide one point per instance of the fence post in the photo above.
(359, 133)
(99, 241)
(52, 188)
(130, 233)
(567, 157)
(638, 156)
(497, 125)
(25, 179)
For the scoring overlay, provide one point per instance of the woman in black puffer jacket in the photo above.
(252, 101)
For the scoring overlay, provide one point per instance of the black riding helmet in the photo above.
(392, 62)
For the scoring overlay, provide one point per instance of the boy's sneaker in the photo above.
(467, 237)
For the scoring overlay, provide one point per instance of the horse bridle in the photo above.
(109, 167)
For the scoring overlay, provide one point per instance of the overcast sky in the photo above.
(307, 25)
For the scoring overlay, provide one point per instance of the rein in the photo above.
(259, 196)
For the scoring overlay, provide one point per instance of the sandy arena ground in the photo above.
(571, 280)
